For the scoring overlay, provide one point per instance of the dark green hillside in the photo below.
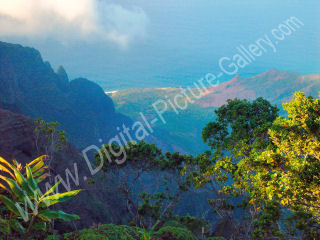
(28, 85)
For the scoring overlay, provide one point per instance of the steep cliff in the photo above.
(95, 204)
(28, 85)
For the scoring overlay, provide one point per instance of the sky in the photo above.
(168, 43)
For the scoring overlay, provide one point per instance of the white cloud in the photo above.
(65, 20)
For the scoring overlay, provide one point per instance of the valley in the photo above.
(182, 128)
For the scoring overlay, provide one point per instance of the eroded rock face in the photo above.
(274, 85)
(95, 204)
(28, 85)
(16, 133)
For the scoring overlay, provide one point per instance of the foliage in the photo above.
(121, 232)
(175, 233)
(145, 234)
(239, 130)
(106, 232)
(54, 136)
(271, 162)
(143, 160)
(193, 224)
(26, 208)
(215, 238)
(48, 139)
(151, 206)
(265, 164)
(302, 223)
(290, 171)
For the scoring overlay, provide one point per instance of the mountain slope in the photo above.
(182, 132)
(30, 86)
(276, 86)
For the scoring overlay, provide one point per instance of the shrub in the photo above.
(25, 207)
(174, 233)
(106, 232)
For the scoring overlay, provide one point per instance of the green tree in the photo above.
(48, 139)
(270, 162)
(147, 204)
(239, 132)
(289, 171)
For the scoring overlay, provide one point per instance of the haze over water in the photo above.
(177, 42)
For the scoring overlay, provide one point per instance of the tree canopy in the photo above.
(268, 161)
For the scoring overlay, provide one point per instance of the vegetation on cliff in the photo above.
(262, 169)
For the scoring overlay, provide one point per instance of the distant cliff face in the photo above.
(274, 85)
(30, 86)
